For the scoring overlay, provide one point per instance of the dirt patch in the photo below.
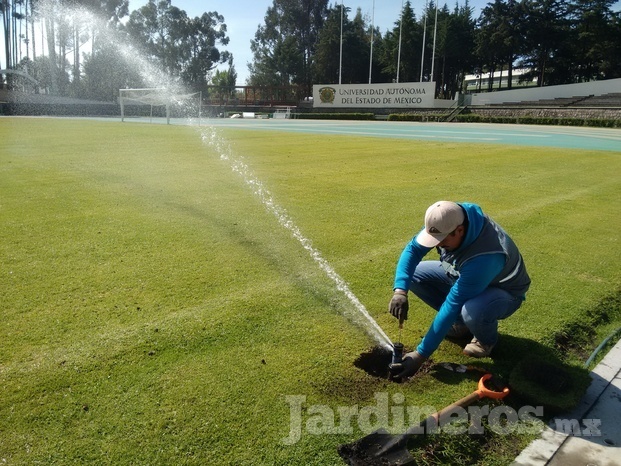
(360, 451)
(375, 362)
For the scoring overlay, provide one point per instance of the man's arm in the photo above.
(411, 256)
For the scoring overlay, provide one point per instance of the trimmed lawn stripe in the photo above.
(153, 312)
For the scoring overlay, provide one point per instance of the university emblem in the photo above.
(327, 94)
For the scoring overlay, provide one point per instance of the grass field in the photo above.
(154, 312)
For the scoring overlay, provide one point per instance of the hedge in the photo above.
(335, 116)
(416, 117)
(530, 120)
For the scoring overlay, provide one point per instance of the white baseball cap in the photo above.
(441, 219)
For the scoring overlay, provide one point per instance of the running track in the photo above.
(476, 133)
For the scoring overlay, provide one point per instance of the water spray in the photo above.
(362, 316)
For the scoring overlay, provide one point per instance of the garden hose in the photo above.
(599, 348)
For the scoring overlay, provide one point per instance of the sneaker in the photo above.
(458, 332)
(476, 349)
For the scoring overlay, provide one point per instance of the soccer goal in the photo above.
(159, 103)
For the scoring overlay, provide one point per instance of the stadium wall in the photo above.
(548, 92)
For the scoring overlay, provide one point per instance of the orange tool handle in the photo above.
(485, 392)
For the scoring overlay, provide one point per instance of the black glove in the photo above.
(399, 306)
(408, 366)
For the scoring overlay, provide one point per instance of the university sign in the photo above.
(392, 95)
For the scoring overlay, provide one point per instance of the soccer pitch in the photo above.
(155, 310)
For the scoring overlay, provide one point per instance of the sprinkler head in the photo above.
(397, 353)
(397, 358)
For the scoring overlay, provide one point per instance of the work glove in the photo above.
(399, 306)
(408, 366)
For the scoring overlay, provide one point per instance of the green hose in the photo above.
(599, 348)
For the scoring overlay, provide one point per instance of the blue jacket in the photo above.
(492, 261)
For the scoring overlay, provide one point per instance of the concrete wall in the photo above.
(440, 103)
(550, 92)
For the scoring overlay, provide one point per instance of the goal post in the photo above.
(186, 105)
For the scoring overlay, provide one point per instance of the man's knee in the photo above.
(490, 306)
(473, 312)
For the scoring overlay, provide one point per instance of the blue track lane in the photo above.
(478, 133)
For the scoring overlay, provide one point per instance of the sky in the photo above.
(242, 18)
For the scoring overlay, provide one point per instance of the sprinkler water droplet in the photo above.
(361, 316)
(153, 77)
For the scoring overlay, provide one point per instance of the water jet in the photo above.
(154, 78)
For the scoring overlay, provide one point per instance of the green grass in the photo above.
(153, 312)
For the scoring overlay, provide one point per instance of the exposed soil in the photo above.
(375, 362)
(356, 453)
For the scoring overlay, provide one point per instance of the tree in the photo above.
(66, 31)
(49, 17)
(183, 47)
(487, 53)
(328, 53)
(596, 43)
(459, 49)
(5, 7)
(105, 74)
(559, 41)
(203, 34)
(454, 49)
(284, 46)
(356, 51)
(225, 80)
(545, 36)
(150, 26)
(428, 24)
(498, 39)
(108, 14)
(402, 46)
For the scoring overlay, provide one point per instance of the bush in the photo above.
(415, 117)
(335, 116)
(530, 120)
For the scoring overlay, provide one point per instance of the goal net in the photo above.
(159, 103)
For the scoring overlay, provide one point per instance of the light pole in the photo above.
(341, 46)
(400, 32)
(433, 52)
(422, 57)
(372, 38)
